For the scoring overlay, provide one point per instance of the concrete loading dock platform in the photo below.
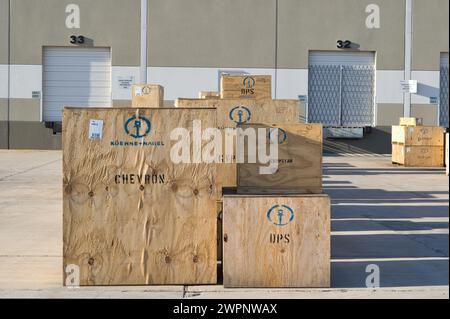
(393, 217)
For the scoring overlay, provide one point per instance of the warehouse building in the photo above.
(356, 65)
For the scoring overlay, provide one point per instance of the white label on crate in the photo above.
(138, 91)
(95, 129)
(408, 150)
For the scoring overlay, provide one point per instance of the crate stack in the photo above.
(415, 145)
(133, 217)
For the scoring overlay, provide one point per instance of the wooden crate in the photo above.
(130, 215)
(447, 152)
(418, 156)
(183, 102)
(208, 95)
(411, 121)
(246, 86)
(231, 112)
(418, 135)
(260, 251)
(147, 96)
(299, 161)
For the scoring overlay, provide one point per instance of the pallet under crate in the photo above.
(276, 241)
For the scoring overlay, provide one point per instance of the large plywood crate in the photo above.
(418, 156)
(276, 242)
(130, 215)
(246, 86)
(299, 161)
(147, 96)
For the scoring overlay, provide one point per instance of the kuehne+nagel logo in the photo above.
(240, 115)
(138, 126)
(280, 215)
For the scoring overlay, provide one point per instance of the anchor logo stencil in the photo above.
(249, 82)
(240, 115)
(280, 215)
(137, 126)
(282, 136)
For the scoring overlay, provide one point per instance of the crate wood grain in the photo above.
(208, 95)
(411, 121)
(130, 215)
(147, 96)
(276, 242)
(418, 135)
(247, 86)
(232, 112)
(418, 156)
(299, 161)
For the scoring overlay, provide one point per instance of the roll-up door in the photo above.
(75, 77)
(341, 88)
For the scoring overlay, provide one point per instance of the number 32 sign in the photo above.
(344, 44)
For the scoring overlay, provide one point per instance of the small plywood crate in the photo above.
(418, 146)
(276, 242)
(418, 156)
(208, 95)
(131, 216)
(147, 96)
(246, 86)
(418, 135)
(299, 164)
(411, 121)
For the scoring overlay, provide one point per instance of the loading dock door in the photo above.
(341, 88)
(443, 100)
(75, 77)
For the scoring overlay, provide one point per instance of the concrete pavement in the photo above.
(394, 217)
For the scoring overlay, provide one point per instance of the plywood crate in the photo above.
(184, 102)
(447, 154)
(130, 215)
(208, 95)
(418, 156)
(411, 121)
(232, 112)
(299, 161)
(276, 242)
(418, 135)
(147, 96)
(246, 86)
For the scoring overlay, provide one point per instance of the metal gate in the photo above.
(341, 91)
(443, 100)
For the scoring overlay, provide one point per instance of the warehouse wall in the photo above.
(430, 38)
(4, 16)
(191, 41)
(35, 24)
